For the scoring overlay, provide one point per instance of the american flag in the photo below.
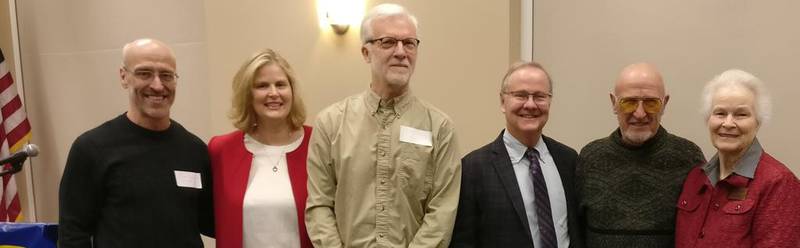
(15, 131)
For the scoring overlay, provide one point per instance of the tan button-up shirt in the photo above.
(371, 185)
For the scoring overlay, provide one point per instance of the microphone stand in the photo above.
(14, 168)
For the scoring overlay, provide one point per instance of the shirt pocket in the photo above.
(688, 218)
(413, 171)
(688, 205)
(738, 215)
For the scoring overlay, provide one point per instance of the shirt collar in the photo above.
(746, 166)
(401, 102)
(516, 150)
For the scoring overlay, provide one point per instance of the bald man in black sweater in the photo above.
(141, 179)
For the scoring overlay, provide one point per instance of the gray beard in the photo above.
(636, 138)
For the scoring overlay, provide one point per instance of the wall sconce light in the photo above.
(338, 26)
(340, 14)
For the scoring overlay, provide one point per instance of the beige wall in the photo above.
(466, 46)
(586, 43)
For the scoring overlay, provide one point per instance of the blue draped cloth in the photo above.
(29, 235)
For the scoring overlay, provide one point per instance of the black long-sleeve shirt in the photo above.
(119, 188)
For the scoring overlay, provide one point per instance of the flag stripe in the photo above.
(6, 80)
(14, 120)
(16, 135)
(11, 107)
(22, 142)
(7, 92)
(10, 187)
(15, 210)
(4, 70)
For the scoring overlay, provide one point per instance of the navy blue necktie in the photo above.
(547, 231)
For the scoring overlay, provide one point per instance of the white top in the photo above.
(269, 216)
(555, 189)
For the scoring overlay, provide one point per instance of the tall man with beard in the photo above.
(517, 191)
(628, 182)
(140, 179)
(383, 169)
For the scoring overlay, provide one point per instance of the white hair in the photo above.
(381, 11)
(743, 79)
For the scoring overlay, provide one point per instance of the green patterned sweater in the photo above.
(627, 194)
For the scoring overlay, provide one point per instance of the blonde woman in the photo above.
(259, 170)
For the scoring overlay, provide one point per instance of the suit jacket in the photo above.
(490, 209)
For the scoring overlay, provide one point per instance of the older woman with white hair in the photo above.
(742, 197)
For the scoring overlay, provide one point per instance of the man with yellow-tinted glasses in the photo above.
(628, 182)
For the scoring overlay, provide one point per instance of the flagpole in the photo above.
(30, 211)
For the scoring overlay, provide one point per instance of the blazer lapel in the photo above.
(505, 170)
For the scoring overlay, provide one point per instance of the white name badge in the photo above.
(188, 179)
(415, 136)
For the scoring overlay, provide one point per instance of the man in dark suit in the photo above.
(518, 190)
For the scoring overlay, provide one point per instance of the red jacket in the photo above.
(230, 168)
(739, 211)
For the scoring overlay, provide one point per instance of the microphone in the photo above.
(29, 150)
(16, 159)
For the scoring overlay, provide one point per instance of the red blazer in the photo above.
(230, 169)
(724, 215)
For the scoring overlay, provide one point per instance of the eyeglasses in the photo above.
(539, 98)
(147, 75)
(628, 105)
(409, 44)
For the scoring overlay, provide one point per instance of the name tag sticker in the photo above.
(415, 136)
(188, 179)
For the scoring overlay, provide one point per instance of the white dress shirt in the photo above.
(555, 189)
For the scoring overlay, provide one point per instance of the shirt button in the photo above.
(684, 203)
(702, 234)
(383, 181)
(381, 153)
(380, 235)
(716, 206)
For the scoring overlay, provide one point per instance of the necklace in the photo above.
(278, 161)
(272, 152)
(279, 156)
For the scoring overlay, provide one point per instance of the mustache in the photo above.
(645, 120)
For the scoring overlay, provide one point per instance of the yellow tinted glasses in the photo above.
(650, 105)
